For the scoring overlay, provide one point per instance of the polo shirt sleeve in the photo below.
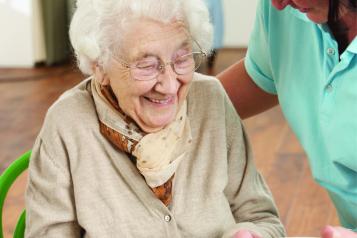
(258, 61)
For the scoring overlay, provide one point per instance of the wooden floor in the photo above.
(25, 96)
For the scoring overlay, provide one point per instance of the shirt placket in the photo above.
(333, 67)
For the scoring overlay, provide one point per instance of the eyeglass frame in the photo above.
(162, 65)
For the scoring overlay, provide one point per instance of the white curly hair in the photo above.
(98, 26)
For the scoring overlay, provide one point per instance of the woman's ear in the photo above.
(100, 75)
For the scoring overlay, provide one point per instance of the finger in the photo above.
(345, 232)
(327, 232)
(243, 234)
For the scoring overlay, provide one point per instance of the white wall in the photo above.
(21, 37)
(38, 32)
(239, 18)
(16, 35)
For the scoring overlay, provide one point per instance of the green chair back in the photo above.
(7, 178)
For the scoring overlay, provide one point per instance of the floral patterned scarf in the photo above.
(156, 155)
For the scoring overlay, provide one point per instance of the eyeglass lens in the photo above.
(150, 67)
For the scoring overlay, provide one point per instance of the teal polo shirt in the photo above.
(298, 60)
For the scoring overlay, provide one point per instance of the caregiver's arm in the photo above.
(247, 97)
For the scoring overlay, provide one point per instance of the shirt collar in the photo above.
(352, 47)
(297, 13)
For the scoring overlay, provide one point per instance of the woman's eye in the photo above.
(146, 65)
(183, 60)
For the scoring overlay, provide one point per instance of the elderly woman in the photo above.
(145, 147)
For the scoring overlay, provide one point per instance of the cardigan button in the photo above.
(167, 218)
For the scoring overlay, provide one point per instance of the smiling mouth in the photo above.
(164, 101)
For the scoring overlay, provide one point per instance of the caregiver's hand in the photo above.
(337, 232)
(245, 234)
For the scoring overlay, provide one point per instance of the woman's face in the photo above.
(153, 103)
(316, 10)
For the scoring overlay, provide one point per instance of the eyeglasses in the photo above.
(150, 67)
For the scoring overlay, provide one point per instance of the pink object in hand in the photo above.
(337, 232)
(245, 234)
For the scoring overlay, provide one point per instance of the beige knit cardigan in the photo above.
(81, 186)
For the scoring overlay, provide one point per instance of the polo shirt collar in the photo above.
(302, 16)
(353, 46)
(298, 14)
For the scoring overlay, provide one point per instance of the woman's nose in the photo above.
(167, 81)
